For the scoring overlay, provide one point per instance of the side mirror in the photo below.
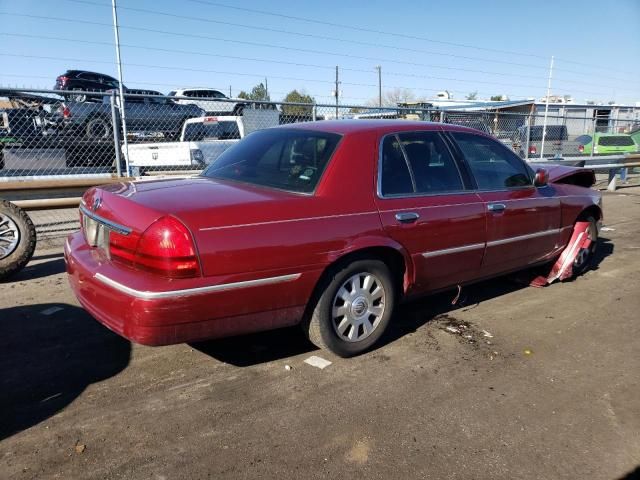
(542, 177)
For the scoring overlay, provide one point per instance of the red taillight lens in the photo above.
(532, 150)
(64, 111)
(581, 148)
(63, 80)
(167, 248)
(123, 247)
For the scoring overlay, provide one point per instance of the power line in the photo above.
(208, 54)
(383, 32)
(207, 37)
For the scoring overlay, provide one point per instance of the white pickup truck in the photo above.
(202, 140)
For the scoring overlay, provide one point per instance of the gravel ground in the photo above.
(513, 382)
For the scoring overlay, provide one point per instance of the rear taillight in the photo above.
(581, 148)
(532, 150)
(62, 80)
(64, 111)
(165, 248)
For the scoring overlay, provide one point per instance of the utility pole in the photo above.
(121, 88)
(337, 92)
(546, 109)
(230, 91)
(379, 68)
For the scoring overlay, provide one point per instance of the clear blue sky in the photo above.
(604, 39)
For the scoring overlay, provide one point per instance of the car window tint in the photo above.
(616, 141)
(395, 178)
(583, 139)
(493, 165)
(196, 132)
(287, 159)
(433, 168)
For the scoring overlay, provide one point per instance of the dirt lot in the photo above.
(538, 383)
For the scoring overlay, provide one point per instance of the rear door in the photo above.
(427, 206)
(523, 221)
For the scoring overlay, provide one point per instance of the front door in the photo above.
(523, 221)
(426, 206)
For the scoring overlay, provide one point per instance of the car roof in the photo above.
(76, 72)
(196, 88)
(344, 127)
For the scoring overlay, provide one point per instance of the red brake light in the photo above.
(532, 150)
(581, 148)
(165, 248)
(64, 111)
(63, 80)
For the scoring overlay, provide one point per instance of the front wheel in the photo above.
(17, 239)
(98, 128)
(353, 309)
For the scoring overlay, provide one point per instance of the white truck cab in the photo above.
(202, 141)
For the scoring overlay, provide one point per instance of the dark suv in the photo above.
(81, 82)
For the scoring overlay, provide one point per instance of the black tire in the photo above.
(14, 259)
(319, 324)
(238, 110)
(98, 128)
(584, 258)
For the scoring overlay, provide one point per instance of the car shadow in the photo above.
(261, 347)
(39, 267)
(256, 348)
(50, 353)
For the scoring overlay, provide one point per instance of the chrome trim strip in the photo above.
(121, 229)
(304, 219)
(447, 251)
(147, 295)
(528, 236)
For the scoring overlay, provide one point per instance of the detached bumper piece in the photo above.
(563, 268)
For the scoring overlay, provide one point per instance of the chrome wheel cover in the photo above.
(358, 307)
(9, 236)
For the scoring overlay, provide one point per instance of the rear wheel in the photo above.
(584, 257)
(17, 239)
(353, 309)
(98, 128)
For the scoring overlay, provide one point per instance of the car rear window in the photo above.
(554, 132)
(616, 141)
(287, 159)
(196, 132)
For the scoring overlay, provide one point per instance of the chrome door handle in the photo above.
(407, 217)
(497, 207)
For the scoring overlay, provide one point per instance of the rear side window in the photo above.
(395, 178)
(616, 141)
(433, 168)
(554, 133)
(290, 160)
(583, 139)
(493, 165)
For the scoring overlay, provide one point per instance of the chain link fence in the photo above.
(54, 134)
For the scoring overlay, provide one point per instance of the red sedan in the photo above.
(327, 224)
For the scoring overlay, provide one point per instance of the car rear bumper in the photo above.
(181, 312)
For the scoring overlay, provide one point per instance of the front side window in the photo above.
(292, 160)
(493, 165)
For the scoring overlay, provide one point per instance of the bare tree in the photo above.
(391, 98)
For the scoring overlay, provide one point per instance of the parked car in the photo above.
(202, 141)
(607, 144)
(85, 85)
(149, 112)
(556, 141)
(213, 102)
(326, 224)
